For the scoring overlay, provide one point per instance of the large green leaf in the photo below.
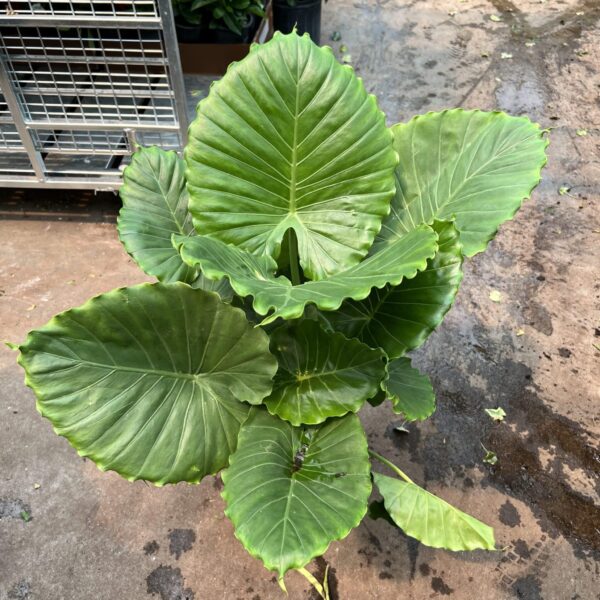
(409, 390)
(321, 374)
(474, 166)
(150, 381)
(251, 275)
(400, 318)
(290, 491)
(430, 519)
(290, 139)
(155, 206)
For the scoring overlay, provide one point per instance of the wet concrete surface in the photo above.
(68, 531)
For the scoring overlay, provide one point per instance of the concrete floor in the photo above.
(94, 536)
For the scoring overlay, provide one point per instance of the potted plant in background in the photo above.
(304, 15)
(217, 21)
(188, 22)
(214, 33)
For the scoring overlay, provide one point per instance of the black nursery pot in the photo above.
(192, 34)
(305, 16)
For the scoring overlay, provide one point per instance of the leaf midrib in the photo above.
(294, 161)
(166, 194)
(148, 371)
(309, 376)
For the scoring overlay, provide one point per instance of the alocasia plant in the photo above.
(301, 248)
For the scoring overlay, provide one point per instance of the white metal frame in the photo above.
(81, 83)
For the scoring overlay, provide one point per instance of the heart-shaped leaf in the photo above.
(150, 381)
(290, 491)
(400, 318)
(290, 139)
(251, 275)
(321, 374)
(472, 166)
(409, 390)
(155, 206)
(430, 519)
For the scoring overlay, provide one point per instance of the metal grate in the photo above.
(15, 165)
(80, 8)
(106, 77)
(4, 112)
(10, 140)
(100, 142)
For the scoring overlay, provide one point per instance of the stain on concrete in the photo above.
(168, 583)
(522, 549)
(424, 569)
(509, 515)
(385, 575)
(400, 439)
(11, 508)
(180, 541)
(564, 352)
(373, 539)
(557, 506)
(438, 585)
(520, 469)
(20, 591)
(151, 548)
(369, 553)
(522, 560)
(538, 317)
(527, 588)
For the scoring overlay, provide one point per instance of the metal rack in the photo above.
(81, 83)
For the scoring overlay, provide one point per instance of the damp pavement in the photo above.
(70, 532)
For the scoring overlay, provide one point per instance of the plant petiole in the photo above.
(322, 590)
(293, 256)
(295, 272)
(391, 465)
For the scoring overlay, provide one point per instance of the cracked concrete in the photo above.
(95, 536)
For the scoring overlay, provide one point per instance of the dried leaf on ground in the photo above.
(497, 414)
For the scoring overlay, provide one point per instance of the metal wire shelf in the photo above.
(81, 83)
(76, 8)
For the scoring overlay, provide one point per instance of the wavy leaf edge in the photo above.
(140, 154)
(116, 291)
(333, 337)
(372, 98)
(396, 401)
(426, 330)
(323, 549)
(270, 264)
(543, 132)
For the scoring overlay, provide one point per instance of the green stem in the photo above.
(295, 272)
(392, 466)
(322, 591)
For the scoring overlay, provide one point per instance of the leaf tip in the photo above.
(12, 345)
